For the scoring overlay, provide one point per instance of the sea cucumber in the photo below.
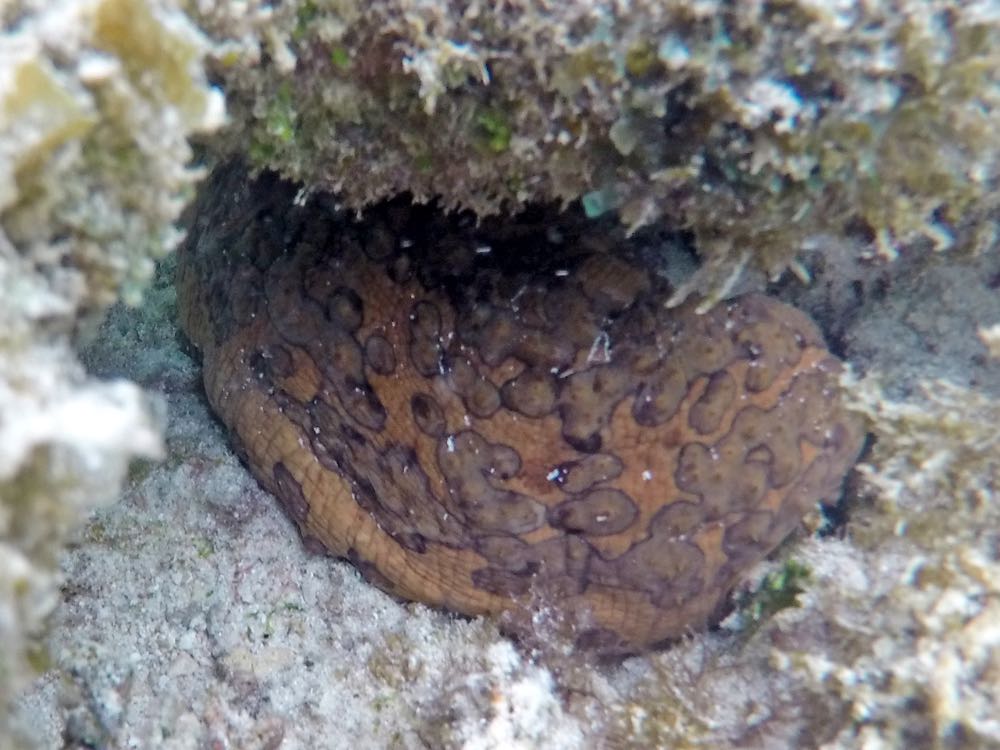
(505, 416)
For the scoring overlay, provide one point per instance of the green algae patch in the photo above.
(494, 131)
(280, 121)
(777, 591)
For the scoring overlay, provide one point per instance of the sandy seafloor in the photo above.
(194, 618)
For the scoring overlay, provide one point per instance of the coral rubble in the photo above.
(97, 98)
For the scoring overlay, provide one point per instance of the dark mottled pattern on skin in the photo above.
(505, 416)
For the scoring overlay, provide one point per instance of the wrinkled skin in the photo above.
(506, 417)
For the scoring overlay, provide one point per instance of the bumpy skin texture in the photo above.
(506, 417)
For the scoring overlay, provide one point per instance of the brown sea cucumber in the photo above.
(496, 418)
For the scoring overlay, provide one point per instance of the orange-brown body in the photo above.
(507, 419)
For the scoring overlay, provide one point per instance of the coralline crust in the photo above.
(503, 417)
(756, 125)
